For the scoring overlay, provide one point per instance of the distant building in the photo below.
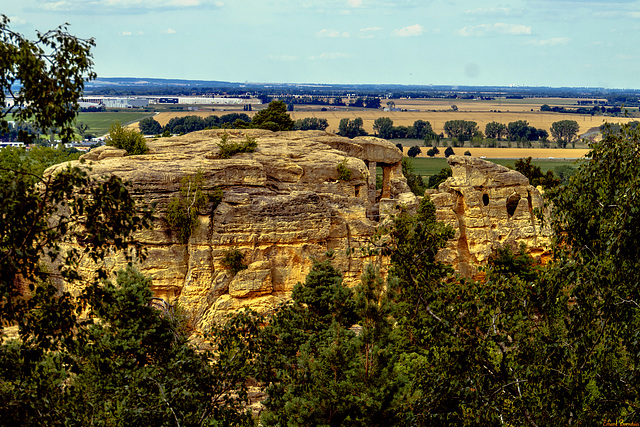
(114, 102)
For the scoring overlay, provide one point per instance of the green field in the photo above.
(99, 123)
(427, 166)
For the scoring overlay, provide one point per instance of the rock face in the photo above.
(489, 206)
(282, 205)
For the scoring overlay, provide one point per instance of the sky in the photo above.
(557, 43)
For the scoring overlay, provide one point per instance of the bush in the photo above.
(414, 151)
(344, 174)
(449, 152)
(182, 212)
(234, 260)
(433, 151)
(228, 149)
(126, 139)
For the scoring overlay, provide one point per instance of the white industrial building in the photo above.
(116, 102)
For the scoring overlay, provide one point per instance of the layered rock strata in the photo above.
(489, 206)
(282, 205)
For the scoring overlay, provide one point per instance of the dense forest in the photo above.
(526, 344)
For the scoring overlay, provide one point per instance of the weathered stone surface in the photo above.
(489, 206)
(282, 206)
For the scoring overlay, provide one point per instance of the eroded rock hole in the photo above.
(512, 204)
(485, 199)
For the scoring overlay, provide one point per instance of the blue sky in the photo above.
(453, 42)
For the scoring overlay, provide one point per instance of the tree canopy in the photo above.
(275, 117)
(44, 77)
(565, 132)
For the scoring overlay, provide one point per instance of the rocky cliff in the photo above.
(282, 205)
(285, 204)
(489, 206)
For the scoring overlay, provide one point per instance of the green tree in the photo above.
(126, 139)
(535, 175)
(449, 152)
(433, 151)
(320, 372)
(564, 132)
(275, 117)
(50, 73)
(414, 151)
(383, 127)
(463, 130)
(82, 129)
(150, 126)
(421, 129)
(439, 178)
(351, 128)
(495, 130)
(415, 182)
(311, 123)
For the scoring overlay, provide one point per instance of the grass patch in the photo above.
(99, 123)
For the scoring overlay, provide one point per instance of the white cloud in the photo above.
(550, 42)
(368, 33)
(119, 6)
(330, 56)
(332, 33)
(494, 29)
(130, 33)
(494, 11)
(411, 31)
(169, 31)
(354, 3)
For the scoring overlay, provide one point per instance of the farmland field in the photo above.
(438, 111)
(431, 166)
(99, 123)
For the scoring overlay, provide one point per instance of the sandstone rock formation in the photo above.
(489, 206)
(282, 205)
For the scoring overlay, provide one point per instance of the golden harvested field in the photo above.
(437, 112)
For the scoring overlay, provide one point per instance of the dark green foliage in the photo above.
(467, 153)
(182, 212)
(274, 117)
(126, 139)
(320, 371)
(311, 123)
(233, 260)
(344, 173)
(462, 130)
(449, 152)
(50, 72)
(564, 132)
(351, 128)
(415, 182)
(229, 148)
(433, 151)
(535, 175)
(414, 151)
(495, 130)
(383, 127)
(150, 126)
(439, 178)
